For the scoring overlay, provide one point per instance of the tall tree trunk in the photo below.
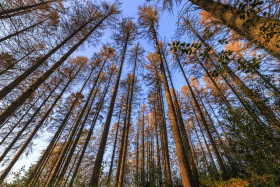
(41, 163)
(250, 27)
(123, 161)
(90, 131)
(76, 126)
(143, 149)
(114, 149)
(99, 158)
(181, 126)
(159, 173)
(27, 8)
(137, 157)
(217, 154)
(186, 173)
(35, 130)
(15, 104)
(165, 151)
(125, 126)
(4, 174)
(23, 30)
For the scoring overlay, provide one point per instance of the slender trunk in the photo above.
(251, 27)
(4, 174)
(51, 145)
(67, 146)
(123, 137)
(181, 126)
(27, 8)
(99, 157)
(217, 154)
(123, 161)
(90, 131)
(23, 30)
(137, 156)
(114, 150)
(143, 149)
(72, 167)
(159, 173)
(166, 160)
(15, 104)
(186, 173)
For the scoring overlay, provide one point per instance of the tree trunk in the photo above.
(265, 111)
(90, 132)
(217, 154)
(114, 149)
(123, 137)
(72, 134)
(250, 27)
(186, 173)
(15, 104)
(123, 161)
(4, 174)
(181, 126)
(27, 8)
(23, 30)
(99, 158)
(42, 161)
(159, 173)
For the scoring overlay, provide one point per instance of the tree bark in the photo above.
(250, 27)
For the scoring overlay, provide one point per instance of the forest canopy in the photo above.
(105, 93)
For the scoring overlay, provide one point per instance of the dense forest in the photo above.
(90, 97)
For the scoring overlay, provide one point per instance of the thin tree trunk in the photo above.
(99, 157)
(181, 126)
(159, 173)
(23, 30)
(90, 131)
(27, 8)
(4, 174)
(123, 137)
(217, 154)
(123, 161)
(143, 149)
(186, 173)
(114, 150)
(42, 161)
(15, 104)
